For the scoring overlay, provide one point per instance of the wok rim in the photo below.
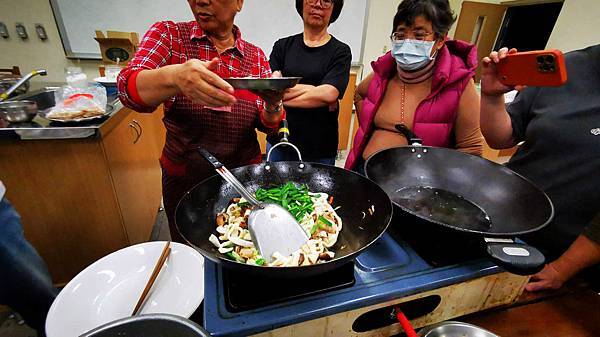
(294, 269)
(465, 230)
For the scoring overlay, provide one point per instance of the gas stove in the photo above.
(398, 265)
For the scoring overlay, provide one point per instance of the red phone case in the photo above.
(542, 68)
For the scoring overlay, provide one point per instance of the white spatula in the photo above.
(272, 227)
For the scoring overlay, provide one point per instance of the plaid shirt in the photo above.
(230, 136)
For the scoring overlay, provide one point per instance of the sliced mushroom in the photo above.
(246, 253)
(301, 259)
(221, 219)
(325, 256)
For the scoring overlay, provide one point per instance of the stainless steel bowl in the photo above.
(454, 329)
(18, 111)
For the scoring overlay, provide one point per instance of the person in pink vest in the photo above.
(424, 83)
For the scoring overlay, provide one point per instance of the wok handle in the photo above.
(210, 158)
(410, 136)
(516, 258)
(284, 131)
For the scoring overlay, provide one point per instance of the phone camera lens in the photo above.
(540, 60)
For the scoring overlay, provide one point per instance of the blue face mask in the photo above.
(412, 54)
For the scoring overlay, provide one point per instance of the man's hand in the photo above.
(196, 80)
(549, 278)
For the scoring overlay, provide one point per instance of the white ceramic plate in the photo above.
(109, 110)
(109, 289)
(103, 80)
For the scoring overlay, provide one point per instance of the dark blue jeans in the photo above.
(286, 153)
(25, 283)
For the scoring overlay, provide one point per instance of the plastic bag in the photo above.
(78, 99)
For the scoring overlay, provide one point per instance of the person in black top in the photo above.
(560, 128)
(323, 62)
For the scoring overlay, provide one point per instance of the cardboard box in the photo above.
(121, 45)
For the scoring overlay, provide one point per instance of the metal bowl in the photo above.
(454, 329)
(18, 111)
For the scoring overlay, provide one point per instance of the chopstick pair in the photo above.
(161, 261)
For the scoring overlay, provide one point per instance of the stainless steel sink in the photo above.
(43, 97)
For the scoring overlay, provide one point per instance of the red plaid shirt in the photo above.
(230, 136)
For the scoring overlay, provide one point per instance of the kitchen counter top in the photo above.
(41, 128)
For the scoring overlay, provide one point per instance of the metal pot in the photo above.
(454, 329)
(18, 111)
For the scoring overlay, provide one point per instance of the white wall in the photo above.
(34, 53)
(577, 26)
(379, 28)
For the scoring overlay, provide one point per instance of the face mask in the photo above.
(412, 54)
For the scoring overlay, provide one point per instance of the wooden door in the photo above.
(479, 24)
(131, 153)
(63, 192)
(345, 117)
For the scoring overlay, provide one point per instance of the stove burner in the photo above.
(245, 292)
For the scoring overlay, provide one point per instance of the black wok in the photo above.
(196, 212)
(463, 193)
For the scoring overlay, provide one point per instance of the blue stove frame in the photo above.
(388, 270)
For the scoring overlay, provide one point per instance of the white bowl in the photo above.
(109, 289)
(106, 82)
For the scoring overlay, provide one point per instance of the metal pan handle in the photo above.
(284, 132)
(210, 158)
(516, 258)
(229, 177)
(410, 136)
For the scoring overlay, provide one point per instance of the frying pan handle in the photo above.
(210, 158)
(410, 136)
(516, 258)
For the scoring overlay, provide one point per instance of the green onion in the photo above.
(325, 221)
(295, 199)
(313, 229)
(236, 257)
(260, 261)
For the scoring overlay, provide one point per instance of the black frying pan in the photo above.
(467, 194)
(195, 215)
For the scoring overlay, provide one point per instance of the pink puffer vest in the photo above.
(435, 116)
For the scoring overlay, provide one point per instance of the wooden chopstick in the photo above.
(161, 261)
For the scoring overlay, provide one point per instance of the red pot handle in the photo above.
(406, 326)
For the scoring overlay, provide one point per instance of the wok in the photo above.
(468, 194)
(195, 216)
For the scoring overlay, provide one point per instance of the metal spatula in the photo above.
(272, 227)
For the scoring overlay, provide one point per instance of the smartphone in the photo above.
(540, 68)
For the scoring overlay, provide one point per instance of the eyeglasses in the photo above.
(326, 4)
(420, 35)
